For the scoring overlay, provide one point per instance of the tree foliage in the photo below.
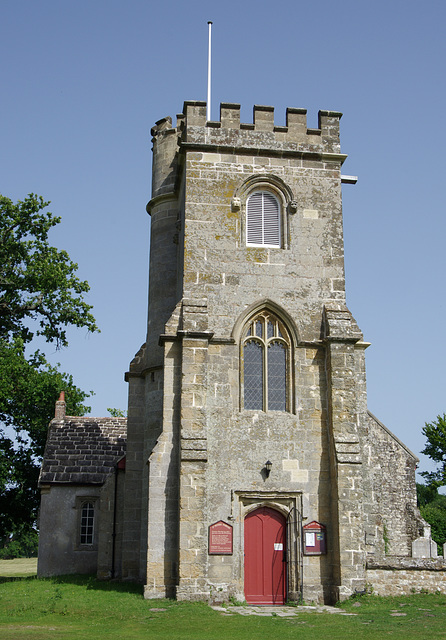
(22, 544)
(433, 509)
(426, 493)
(37, 281)
(432, 504)
(40, 294)
(435, 448)
(28, 391)
(117, 413)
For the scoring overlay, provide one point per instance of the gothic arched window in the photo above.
(266, 350)
(263, 220)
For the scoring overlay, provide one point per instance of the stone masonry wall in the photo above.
(146, 376)
(224, 447)
(193, 540)
(390, 498)
(79, 465)
(59, 549)
(205, 285)
(344, 397)
(398, 576)
(307, 271)
(163, 479)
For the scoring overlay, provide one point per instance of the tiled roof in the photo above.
(83, 450)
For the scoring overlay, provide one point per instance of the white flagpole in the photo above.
(208, 103)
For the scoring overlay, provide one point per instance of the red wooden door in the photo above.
(264, 557)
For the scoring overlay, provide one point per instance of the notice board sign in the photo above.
(315, 539)
(220, 539)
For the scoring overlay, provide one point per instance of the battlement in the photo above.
(228, 131)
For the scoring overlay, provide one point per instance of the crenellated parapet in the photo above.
(260, 135)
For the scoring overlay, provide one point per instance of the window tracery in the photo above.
(266, 347)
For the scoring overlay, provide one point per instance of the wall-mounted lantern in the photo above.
(268, 466)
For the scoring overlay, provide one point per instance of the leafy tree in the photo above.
(23, 543)
(435, 448)
(117, 413)
(426, 493)
(433, 510)
(435, 514)
(28, 391)
(37, 281)
(40, 294)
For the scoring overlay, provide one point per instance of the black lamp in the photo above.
(268, 466)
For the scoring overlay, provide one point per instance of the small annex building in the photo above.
(253, 467)
(82, 482)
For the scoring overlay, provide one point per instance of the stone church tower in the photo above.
(249, 464)
(253, 357)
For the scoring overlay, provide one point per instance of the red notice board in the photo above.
(220, 538)
(315, 539)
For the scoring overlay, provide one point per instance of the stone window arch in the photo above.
(265, 203)
(266, 364)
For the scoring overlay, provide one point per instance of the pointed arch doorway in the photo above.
(265, 561)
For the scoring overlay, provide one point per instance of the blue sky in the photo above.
(83, 82)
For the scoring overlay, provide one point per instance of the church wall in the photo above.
(134, 508)
(60, 551)
(195, 455)
(146, 378)
(391, 507)
(223, 473)
(218, 265)
(221, 278)
(161, 563)
(111, 507)
(239, 444)
(145, 425)
(205, 453)
(163, 289)
(397, 576)
(225, 276)
(346, 463)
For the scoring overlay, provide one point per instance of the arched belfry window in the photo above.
(263, 220)
(266, 360)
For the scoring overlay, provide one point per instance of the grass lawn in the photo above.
(80, 608)
(18, 568)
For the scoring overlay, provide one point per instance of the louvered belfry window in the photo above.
(266, 363)
(263, 220)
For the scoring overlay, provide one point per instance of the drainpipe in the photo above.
(119, 466)
(114, 523)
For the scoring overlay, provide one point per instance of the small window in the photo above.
(266, 364)
(263, 220)
(87, 523)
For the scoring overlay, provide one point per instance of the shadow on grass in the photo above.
(4, 579)
(88, 581)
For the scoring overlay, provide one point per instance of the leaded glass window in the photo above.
(276, 376)
(254, 375)
(87, 523)
(266, 364)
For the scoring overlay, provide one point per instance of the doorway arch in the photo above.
(265, 559)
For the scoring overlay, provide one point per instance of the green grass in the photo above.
(18, 568)
(80, 608)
